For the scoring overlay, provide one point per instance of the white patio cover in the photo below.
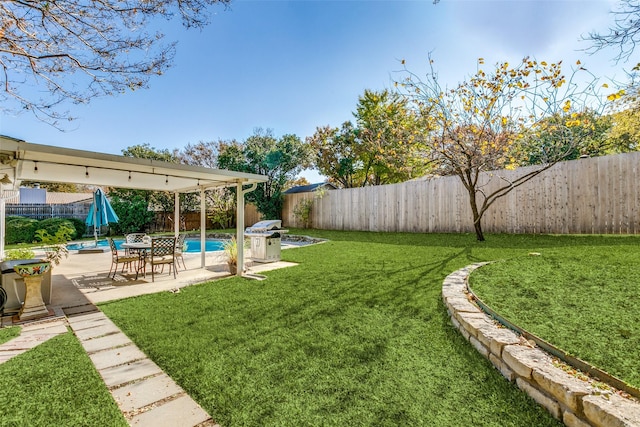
(20, 160)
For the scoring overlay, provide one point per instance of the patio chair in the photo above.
(125, 260)
(162, 253)
(134, 238)
(179, 249)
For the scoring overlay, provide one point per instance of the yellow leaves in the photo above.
(480, 61)
(615, 96)
(567, 106)
(543, 63)
(504, 121)
(604, 85)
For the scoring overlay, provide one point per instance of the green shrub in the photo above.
(52, 225)
(20, 230)
(80, 226)
(21, 253)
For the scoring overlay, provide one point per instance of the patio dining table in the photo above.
(142, 248)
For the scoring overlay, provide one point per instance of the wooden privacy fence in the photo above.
(592, 195)
(189, 221)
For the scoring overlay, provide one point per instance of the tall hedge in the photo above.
(19, 230)
(22, 230)
(51, 225)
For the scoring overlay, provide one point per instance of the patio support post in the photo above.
(203, 227)
(240, 229)
(240, 224)
(2, 228)
(176, 213)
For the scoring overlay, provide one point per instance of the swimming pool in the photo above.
(193, 245)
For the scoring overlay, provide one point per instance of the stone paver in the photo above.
(97, 331)
(105, 342)
(143, 393)
(31, 335)
(120, 375)
(181, 412)
(116, 356)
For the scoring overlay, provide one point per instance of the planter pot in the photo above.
(233, 268)
(33, 306)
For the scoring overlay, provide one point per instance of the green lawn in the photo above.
(55, 384)
(583, 299)
(9, 333)
(355, 335)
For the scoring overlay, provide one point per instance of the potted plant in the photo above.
(55, 246)
(230, 248)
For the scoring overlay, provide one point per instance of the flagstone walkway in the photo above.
(144, 393)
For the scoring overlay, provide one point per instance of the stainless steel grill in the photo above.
(266, 240)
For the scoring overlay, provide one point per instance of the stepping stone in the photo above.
(106, 342)
(180, 412)
(119, 375)
(116, 356)
(143, 393)
(97, 331)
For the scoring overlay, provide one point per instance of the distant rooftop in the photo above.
(309, 188)
(51, 198)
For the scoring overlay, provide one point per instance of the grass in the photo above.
(9, 333)
(355, 335)
(584, 300)
(55, 384)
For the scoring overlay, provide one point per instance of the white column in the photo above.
(240, 223)
(2, 221)
(240, 228)
(203, 227)
(176, 213)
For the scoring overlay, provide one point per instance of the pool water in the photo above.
(193, 245)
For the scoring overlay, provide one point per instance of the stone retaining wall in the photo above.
(574, 399)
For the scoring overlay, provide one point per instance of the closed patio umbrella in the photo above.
(101, 212)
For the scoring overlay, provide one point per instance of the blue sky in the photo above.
(295, 65)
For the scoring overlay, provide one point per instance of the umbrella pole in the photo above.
(95, 219)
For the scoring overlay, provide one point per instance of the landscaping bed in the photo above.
(583, 299)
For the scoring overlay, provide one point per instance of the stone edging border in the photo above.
(285, 237)
(576, 402)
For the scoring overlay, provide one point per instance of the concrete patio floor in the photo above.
(82, 279)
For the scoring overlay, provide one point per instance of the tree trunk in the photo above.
(477, 224)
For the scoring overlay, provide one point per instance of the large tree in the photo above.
(388, 131)
(336, 154)
(381, 148)
(71, 51)
(134, 205)
(279, 159)
(588, 135)
(478, 126)
(220, 202)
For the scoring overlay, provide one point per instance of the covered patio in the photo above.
(21, 160)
